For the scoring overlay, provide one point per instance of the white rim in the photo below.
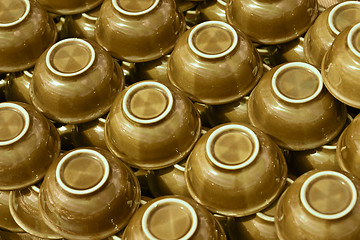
(35, 188)
(328, 216)
(26, 117)
(179, 167)
(349, 38)
(212, 56)
(332, 13)
(123, 11)
(303, 65)
(222, 2)
(250, 133)
(170, 200)
(85, 191)
(90, 63)
(28, 74)
(267, 67)
(87, 16)
(27, 10)
(141, 85)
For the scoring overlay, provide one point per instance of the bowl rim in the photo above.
(334, 10)
(25, 14)
(116, 5)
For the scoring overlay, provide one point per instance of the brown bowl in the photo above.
(173, 217)
(75, 81)
(214, 63)
(88, 194)
(235, 161)
(139, 31)
(7, 222)
(90, 134)
(213, 10)
(284, 102)
(340, 67)
(28, 145)
(69, 7)
(27, 31)
(156, 70)
(325, 4)
(320, 205)
(327, 26)
(18, 86)
(152, 125)
(292, 51)
(272, 21)
(24, 208)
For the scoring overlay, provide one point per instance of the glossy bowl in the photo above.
(7, 222)
(347, 149)
(69, 7)
(235, 170)
(139, 31)
(152, 125)
(214, 63)
(82, 25)
(90, 134)
(88, 194)
(156, 70)
(284, 102)
(325, 4)
(340, 69)
(320, 205)
(272, 21)
(29, 143)
(75, 81)
(213, 10)
(26, 31)
(292, 51)
(327, 26)
(24, 208)
(18, 86)
(174, 218)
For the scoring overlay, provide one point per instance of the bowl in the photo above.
(284, 102)
(69, 7)
(340, 67)
(139, 31)
(320, 205)
(235, 170)
(18, 86)
(173, 217)
(88, 193)
(214, 63)
(213, 10)
(90, 134)
(75, 81)
(327, 26)
(272, 22)
(7, 222)
(29, 143)
(152, 125)
(26, 31)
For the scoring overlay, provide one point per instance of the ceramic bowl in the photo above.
(259, 226)
(235, 170)
(6, 220)
(292, 51)
(325, 4)
(272, 21)
(173, 217)
(284, 102)
(75, 81)
(69, 7)
(214, 63)
(340, 69)
(28, 145)
(347, 153)
(90, 134)
(320, 205)
(168, 181)
(26, 31)
(139, 31)
(156, 70)
(88, 194)
(18, 86)
(213, 10)
(24, 208)
(82, 25)
(152, 125)
(327, 26)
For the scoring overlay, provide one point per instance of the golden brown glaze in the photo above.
(69, 7)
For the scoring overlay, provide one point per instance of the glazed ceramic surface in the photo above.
(320, 205)
(291, 105)
(340, 67)
(272, 21)
(139, 31)
(88, 194)
(235, 170)
(24, 208)
(75, 81)
(28, 145)
(292, 51)
(327, 26)
(213, 10)
(18, 86)
(68, 7)
(6, 220)
(324, 4)
(173, 217)
(214, 63)
(90, 134)
(26, 31)
(152, 125)
(156, 70)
